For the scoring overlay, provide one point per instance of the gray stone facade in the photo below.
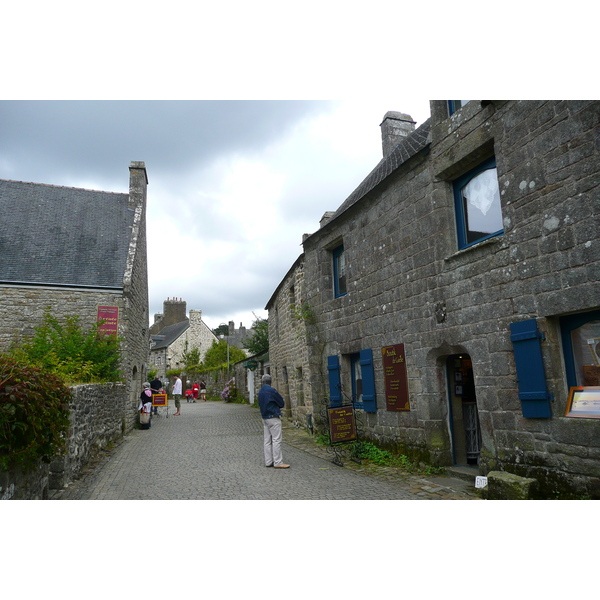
(71, 250)
(410, 280)
(174, 334)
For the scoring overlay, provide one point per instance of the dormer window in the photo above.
(454, 105)
(339, 271)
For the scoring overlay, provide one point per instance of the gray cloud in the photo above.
(63, 139)
(233, 185)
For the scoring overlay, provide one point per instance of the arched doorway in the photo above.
(462, 410)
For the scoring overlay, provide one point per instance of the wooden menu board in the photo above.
(342, 426)
(395, 378)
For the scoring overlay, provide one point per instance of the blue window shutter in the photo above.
(368, 380)
(335, 387)
(533, 393)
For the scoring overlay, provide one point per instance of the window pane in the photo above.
(357, 387)
(341, 272)
(586, 353)
(454, 105)
(481, 202)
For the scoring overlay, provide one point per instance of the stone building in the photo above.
(173, 334)
(81, 253)
(237, 337)
(454, 297)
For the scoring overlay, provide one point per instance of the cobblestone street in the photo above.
(213, 451)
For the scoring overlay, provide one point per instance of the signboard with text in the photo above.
(110, 316)
(342, 426)
(160, 400)
(395, 378)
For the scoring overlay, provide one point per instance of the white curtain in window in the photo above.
(586, 353)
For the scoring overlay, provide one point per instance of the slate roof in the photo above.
(167, 335)
(63, 236)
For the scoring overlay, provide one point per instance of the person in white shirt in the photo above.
(177, 395)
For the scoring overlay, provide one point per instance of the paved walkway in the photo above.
(213, 451)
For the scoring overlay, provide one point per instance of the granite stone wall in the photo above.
(408, 282)
(100, 415)
(22, 308)
(291, 330)
(135, 317)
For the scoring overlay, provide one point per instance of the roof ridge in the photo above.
(67, 187)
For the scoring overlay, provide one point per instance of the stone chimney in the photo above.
(195, 315)
(138, 184)
(326, 218)
(395, 127)
(173, 312)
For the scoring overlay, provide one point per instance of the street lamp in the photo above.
(222, 336)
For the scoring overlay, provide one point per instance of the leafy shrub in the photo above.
(216, 355)
(34, 414)
(75, 355)
(258, 340)
(230, 393)
(372, 453)
(324, 439)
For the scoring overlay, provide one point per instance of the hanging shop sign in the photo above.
(395, 377)
(110, 316)
(342, 426)
(252, 365)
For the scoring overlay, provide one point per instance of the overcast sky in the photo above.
(233, 185)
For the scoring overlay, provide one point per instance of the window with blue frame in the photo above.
(477, 205)
(580, 335)
(356, 373)
(454, 105)
(362, 375)
(339, 271)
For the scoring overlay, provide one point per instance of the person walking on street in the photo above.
(271, 403)
(155, 386)
(145, 407)
(203, 390)
(177, 395)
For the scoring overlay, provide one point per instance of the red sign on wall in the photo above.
(394, 375)
(110, 316)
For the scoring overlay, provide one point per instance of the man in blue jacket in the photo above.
(271, 403)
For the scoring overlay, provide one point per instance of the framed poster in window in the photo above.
(584, 403)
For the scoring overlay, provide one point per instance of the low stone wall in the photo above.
(100, 415)
(217, 379)
(507, 486)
